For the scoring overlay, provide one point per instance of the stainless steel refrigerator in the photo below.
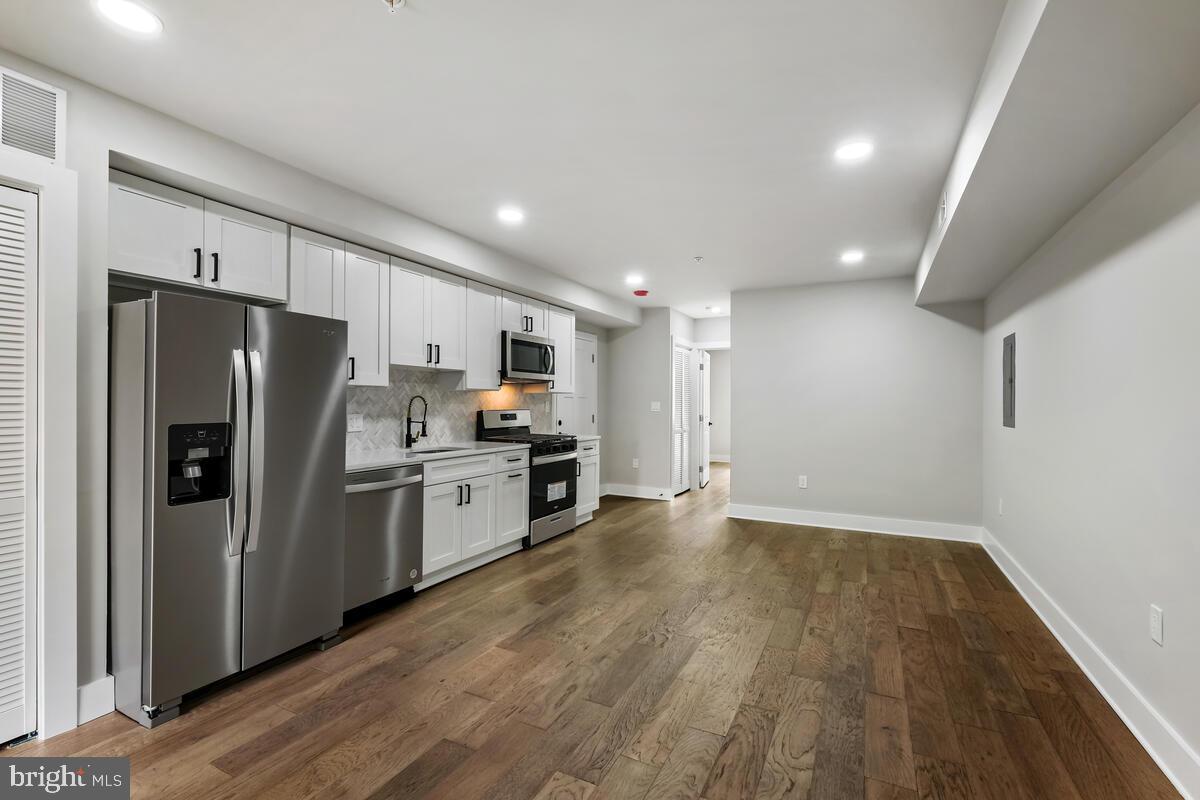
(227, 447)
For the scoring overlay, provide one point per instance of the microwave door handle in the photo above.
(236, 523)
(257, 449)
(548, 359)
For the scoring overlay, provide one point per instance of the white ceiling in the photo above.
(635, 134)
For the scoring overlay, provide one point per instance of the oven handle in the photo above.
(537, 462)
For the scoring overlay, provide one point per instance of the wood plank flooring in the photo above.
(665, 651)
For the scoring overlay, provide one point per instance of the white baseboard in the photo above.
(854, 522)
(604, 489)
(643, 492)
(1177, 759)
(96, 699)
(722, 457)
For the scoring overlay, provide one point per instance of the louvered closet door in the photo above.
(681, 411)
(18, 286)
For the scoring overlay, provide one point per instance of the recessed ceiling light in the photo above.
(130, 16)
(853, 151)
(852, 257)
(634, 280)
(714, 309)
(510, 215)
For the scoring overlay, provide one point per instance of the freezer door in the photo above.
(192, 607)
(295, 542)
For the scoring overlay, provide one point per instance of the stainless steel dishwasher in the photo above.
(384, 517)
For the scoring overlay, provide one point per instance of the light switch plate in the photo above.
(636, 463)
(354, 423)
(655, 405)
(803, 482)
(1156, 625)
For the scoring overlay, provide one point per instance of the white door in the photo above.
(18, 455)
(317, 275)
(704, 417)
(587, 490)
(681, 413)
(367, 278)
(512, 506)
(410, 342)
(446, 310)
(478, 516)
(538, 313)
(442, 536)
(246, 253)
(586, 385)
(155, 230)
(483, 337)
(561, 330)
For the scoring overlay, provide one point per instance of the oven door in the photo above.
(551, 485)
(525, 358)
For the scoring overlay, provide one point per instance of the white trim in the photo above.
(642, 492)
(604, 490)
(949, 531)
(725, 345)
(469, 564)
(721, 458)
(1174, 756)
(96, 699)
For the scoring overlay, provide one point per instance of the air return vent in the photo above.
(31, 116)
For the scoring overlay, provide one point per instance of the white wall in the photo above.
(876, 401)
(720, 388)
(712, 329)
(639, 373)
(683, 327)
(1099, 478)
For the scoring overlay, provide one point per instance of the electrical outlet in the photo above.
(354, 423)
(636, 464)
(803, 482)
(1156, 625)
(655, 405)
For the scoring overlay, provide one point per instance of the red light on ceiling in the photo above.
(640, 292)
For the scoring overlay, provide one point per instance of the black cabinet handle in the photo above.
(428, 354)
(351, 367)
(437, 359)
(216, 267)
(199, 262)
(514, 474)
(578, 470)
(468, 494)
(460, 494)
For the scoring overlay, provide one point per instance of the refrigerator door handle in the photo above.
(257, 449)
(241, 428)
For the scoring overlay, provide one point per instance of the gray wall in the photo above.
(639, 373)
(875, 400)
(720, 388)
(1099, 478)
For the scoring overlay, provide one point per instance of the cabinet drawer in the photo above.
(517, 459)
(589, 449)
(458, 468)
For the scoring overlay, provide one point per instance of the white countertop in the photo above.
(400, 457)
(591, 437)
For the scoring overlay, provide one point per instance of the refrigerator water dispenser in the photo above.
(198, 462)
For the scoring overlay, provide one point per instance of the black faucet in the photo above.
(409, 439)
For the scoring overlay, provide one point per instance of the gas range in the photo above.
(552, 472)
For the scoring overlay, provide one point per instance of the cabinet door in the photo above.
(537, 311)
(587, 488)
(317, 275)
(442, 532)
(154, 230)
(586, 385)
(513, 313)
(478, 515)
(562, 332)
(246, 253)
(446, 310)
(367, 280)
(565, 412)
(411, 345)
(512, 506)
(483, 337)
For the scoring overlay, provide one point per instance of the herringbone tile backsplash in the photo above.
(451, 412)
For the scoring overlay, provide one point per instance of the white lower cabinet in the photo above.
(478, 516)
(512, 506)
(587, 487)
(442, 539)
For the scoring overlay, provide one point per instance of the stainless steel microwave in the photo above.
(525, 358)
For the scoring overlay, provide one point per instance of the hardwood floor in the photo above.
(665, 651)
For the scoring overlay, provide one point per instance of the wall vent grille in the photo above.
(30, 116)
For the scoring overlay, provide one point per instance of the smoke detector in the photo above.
(394, 4)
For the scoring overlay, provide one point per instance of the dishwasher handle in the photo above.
(354, 488)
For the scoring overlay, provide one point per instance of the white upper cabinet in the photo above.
(368, 276)
(524, 315)
(561, 330)
(446, 318)
(165, 234)
(483, 338)
(317, 279)
(429, 317)
(246, 252)
(411, 345)
(155, 230)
